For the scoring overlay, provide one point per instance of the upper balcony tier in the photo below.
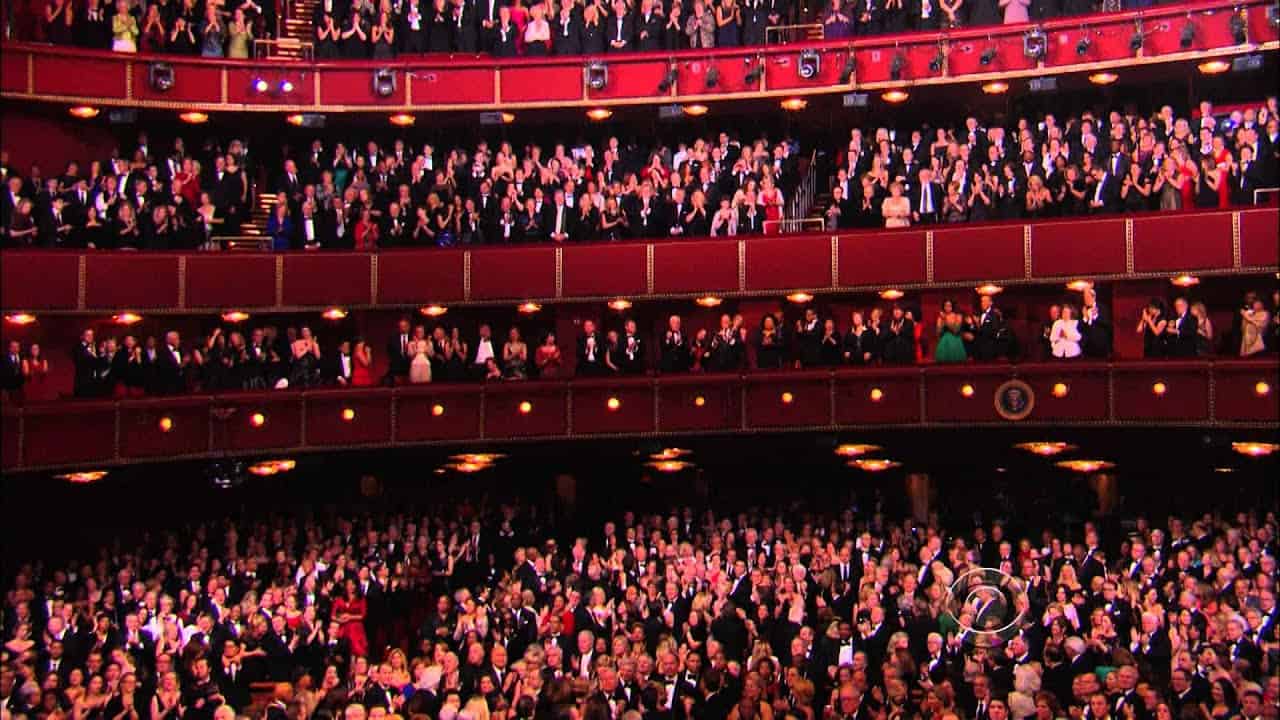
(1047, 251)
(1125, 40)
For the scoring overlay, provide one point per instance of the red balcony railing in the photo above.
(1238, 394)
(431, 83)
(1100, 248)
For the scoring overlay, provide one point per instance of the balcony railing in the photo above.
(1237, 394)
(450, 83)
(1109, 247)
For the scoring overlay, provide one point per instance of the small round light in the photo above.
(235, 316)
(286, 87)
(988, 289)
(787, 398)
(966, 390)
(437, 410)
(528, 308)
(1185, 281)
(699, 401)
(84, 112)
(1159, 389)
(794, 104)
(257, 419)
(1214, 67)
(599, 114)
(194, 117)
(877, 394)
(1262, 389)
(1079, 285)
(620, 304)
(348, 414)
(1060, 390)
(709, 301)
(20, 319)
(613, 404)
(995, 87)
(696, 110)
(891, 294)
(800, 298)
(403, 120)
(166, 424)
(1103, 78)
(895, 96)
(260, 85)
(126, 318)
(433, 310)
(526, 407)
(334, 313)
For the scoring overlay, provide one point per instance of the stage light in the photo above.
(895, 96)
(20, 319)
(285, 87)
(787, 398)
(891, 294)
(995, 87)
(1213, 67)
(528, 308)
(384, 82)
(874, 464)
(1158, 389)
(526, 407)
(348, 414)
(126, 318)
(597, 75)
(619, 305)
(1255, 449)
(166, 424)
(257, 420)
(849, 70)
(403, 120)
(160, 76)
(1060, 390)
(794, 104)
(599, 114)
(695, 110)
(856, 450)
(1085, 466)
(1185, 281)
(712, 78)
(84, 112)
(988, 289)
(433, 310)
(437, 410)
(966, 390)
(194, 117)
(1080, 285)
(613, 404)
(669, 79)
(1035, 44)
(1045, 448)
(800, 298)
(259, 85)
(709, 301)
(1103, 78)
(235, 316)
(334, 313)
(83, 476)
(809, 65)
(1262, 389)
(877, 395)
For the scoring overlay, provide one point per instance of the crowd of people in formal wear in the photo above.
(788, 612)
(269, 357)
(207, 28)
(401, 194)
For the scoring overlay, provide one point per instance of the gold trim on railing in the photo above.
(373, 278)
(648, 269)
(82, 271)
(1026, 251)
(928, 256)
(279, 280)
(742, 266)
(1235, 240)
(835, 261)
(1128, 245)
(182, 282)
(466, 275)
(559, 272)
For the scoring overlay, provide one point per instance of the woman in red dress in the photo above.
(35, 373)
(190, 182)
(1223, 161)
(1187, 169)
(771, 198)
(362, 362)
(366, 232)
(349, 611)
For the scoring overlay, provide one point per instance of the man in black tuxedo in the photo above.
(632, 361)
(170, 379)
(1246, 177)
(290, 184)
(11, 379)
(559, 219)
(989, 331)
(675, 348)
(809, 338)
(87, 365)
(398, 355)
(648, 27)
(590, 351)
(566, 31)
(337, 370)
(466, 33)
(750, 219)
(55, 225)
(620, 28)
(1104, 192)
(1182, 328)
(927, 198)
(487, 20)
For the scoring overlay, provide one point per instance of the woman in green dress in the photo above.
(950, 347)
(239, 36)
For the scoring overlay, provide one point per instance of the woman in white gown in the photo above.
(420, 366)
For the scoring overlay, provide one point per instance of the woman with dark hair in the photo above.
(769, 348)
(1223, 705)
(1152, 327)
(349, 611)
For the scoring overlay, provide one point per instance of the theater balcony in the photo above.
(1129, 42)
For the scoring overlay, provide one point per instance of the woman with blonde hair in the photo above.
(475, 709)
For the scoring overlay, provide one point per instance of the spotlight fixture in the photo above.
(1103, 78)
(28, 318)
(670, 466)
(82, 477)
(988, 56)
(285, 87)
(1083, 45)
(1060, 390)
(709, 301)
(988, 289)
(165, 424)
(433, 310)
(334, 313)
(712, 78)
(267, 468)
(939, 58)
(876, 395)
(1045, 448)
(613, 403)
(1213, 67)
(437, 410)
(671, 453)
(891, 294)
(1255, 449)
(1085, 466)
(257, 419)
(160, 76)
(1262, 388)
(1239, 28)
(259, 85)
(384, 82)
(194, 117)
(1185, 281)
(620, 304)
(1187, 37)
(810, 64)
(1080, 285)
(402, 120)
(669, 80)
(84, 112)
(896, 66)
(800, 298)
(528, 308)
(478, 458)
(873, 464)
(695, 110)
(753, 73)
(995, 87)
(599, 114)
(597, 75)
(1136, 41)
(525, 407)
(126, 318)
(1035, 44)
(851, 450)
(895, 96)
(794, 104)
(850, 69)
(235, 316)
